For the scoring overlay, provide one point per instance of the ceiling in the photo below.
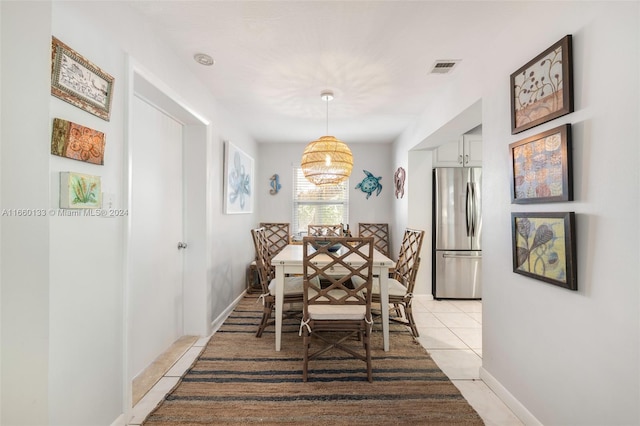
(273, 59)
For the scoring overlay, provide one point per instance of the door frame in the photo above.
(196, 307)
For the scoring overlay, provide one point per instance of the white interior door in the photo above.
(156, 264)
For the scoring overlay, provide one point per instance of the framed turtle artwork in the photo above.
(370, 184)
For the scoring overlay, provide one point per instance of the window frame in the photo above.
(301, 183)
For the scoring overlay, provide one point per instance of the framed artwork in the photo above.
(79, 191)
(238, 177)
(76, 80)
(541, 169)
(543, 88)
(77, 142)
(544, 247)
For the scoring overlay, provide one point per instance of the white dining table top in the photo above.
(290, 260)
(292, 255)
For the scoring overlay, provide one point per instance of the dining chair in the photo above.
(266, 272)
(403, 280)
(380, 234)
(333, 314)
(325, 230)
(278, 235)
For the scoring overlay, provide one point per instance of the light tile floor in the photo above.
(450, 330)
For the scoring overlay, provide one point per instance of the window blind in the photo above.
(318, 205)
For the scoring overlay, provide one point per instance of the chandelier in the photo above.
(327, 160)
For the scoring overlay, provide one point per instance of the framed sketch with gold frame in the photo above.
(76, 80)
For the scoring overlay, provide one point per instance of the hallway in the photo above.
(451, 330)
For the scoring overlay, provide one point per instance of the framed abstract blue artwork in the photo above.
(238, 177)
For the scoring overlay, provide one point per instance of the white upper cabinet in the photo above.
(466, 152)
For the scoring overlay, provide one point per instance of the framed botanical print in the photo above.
(542, 89)
(80, 191)
(541, 169)
(544, 247)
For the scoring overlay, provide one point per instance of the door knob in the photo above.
(182, 245)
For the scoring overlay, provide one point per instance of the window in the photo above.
(318, 205)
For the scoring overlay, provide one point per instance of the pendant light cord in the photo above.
(327, 100)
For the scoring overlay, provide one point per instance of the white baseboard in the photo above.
(219, 320)
(509, 400)
(119, 421)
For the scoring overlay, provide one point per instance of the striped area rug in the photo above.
(240, 379)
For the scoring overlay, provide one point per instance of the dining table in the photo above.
(289, 262)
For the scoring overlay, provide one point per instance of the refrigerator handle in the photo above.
(461, 256)
(474, 210)
(468, 208)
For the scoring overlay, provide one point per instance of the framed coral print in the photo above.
(543, 88)
(544, 247)
(398, 180)
(238, 177)
(77, 142)
(541, 169)
(76, 80)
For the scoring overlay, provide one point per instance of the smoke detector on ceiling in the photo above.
(444, 66)
(203, 59)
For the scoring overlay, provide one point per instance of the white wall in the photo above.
(558, 356)
(281, 158)
(64, 350)
(86, 279)
(419, 215)
(24, 176)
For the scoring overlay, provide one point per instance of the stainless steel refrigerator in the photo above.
(457, 225)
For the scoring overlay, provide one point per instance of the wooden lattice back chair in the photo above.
(380, 234)
(266, 273)
(403, 279)
(277, 234)
(325, 230)
(334, 313)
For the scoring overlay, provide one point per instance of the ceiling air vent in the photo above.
(443, 66)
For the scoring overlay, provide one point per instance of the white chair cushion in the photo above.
(292, 285)
(395, 288)
(337, 312)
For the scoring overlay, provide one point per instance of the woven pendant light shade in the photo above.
(327, 161)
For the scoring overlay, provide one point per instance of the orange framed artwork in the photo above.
(77, 142)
